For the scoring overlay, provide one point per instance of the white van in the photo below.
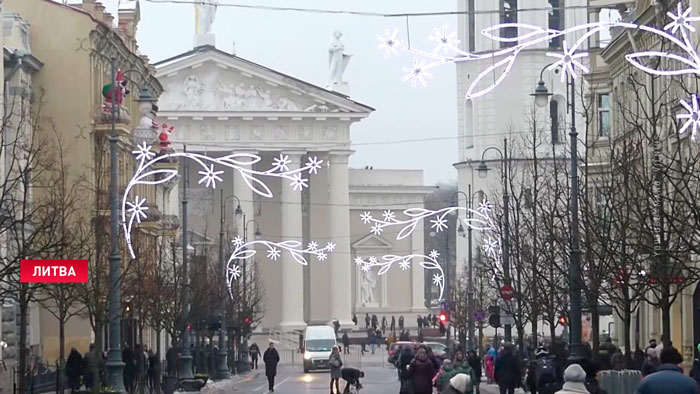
(318, 343)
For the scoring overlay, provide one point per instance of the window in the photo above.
(607, 15)
(604, 115)
(554, 120)
(509, 14)
(555, 21)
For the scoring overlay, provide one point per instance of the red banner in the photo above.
(53, 271)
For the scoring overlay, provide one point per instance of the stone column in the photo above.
(292, 272)
(417, 272)
(247, 197)
(339, 217)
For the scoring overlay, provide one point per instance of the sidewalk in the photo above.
(229, 385)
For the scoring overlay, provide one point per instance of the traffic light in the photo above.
(495, 316)
(246, 320)
(443, 317)
(562, 320)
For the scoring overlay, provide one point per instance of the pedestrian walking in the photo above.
(668, 378)
(153, 370)
(401, 323)
(384, 324)
(368, 320)
(129, 368)
(475, 362)
(171, 359)
(545, 375)
(403, 361)
(354, 319)
(617, 360)
(420, 373)
(489, 363)
(346, 343)
(271, 358)
(372, 341)
(419, 322)
(651, 363)
(336, 363)
(507, 370)
(458, 366)
(74, 366)
(574, 377)
(392, 325)
(336, 326)
(254, 351)
(375, 322)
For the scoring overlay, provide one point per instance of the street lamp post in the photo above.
(243, 363)
(541, 99)
(114, 366)
(460, 232)
(222, 371)
(470, 270)
(185, 358)
(483, 171)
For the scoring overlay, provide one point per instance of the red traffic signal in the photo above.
(562, 320)
(189, 327)
(246, 320)
(443, 317)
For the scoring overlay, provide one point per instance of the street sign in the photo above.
(479, 315)
(507, 292)
(505, 317)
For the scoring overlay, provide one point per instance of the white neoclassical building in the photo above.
(220, 104)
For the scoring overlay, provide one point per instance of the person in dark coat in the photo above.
(346, 343)
(507, 371)
(384, 324)
(591, 369)
(171, 359)
(403, 361)
(401, 323)
(271, 358)
(668, 378)
(354, 319)
(375, 322)
(254, 351)
(368, 320)
(74, 366)
(90, 362)
(420, 372)
(129, 368)
(475, 362)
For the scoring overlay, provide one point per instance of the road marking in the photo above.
(283, 380)
(264, 386)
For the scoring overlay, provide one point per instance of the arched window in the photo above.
(509, 14)
(554, 120)
(555, 20)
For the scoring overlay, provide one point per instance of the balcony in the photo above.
(103, 115)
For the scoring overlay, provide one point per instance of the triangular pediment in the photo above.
(372, 242)
(208, 80)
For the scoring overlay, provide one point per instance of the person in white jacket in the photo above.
(574, 377)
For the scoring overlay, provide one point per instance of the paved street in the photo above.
(292, 380)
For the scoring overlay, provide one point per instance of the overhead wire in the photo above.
(367, 13)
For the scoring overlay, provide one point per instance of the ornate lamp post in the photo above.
(243, 363)
(483, 172)
(541, 100)
(222, 371)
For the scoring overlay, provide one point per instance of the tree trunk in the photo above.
(23, 307)
(61, 349)
(626, 329)
(97, 354)
(156, 382)
(595, 329)
(552, 331)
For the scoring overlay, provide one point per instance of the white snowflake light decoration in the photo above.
(366, 217)
(384, 264)
(417, 73)
(210, 177)
(275, 251)
(682, 54)
(330, 246)
(388, 43)
(148, 173)
(434, 254)
(439, 224)
(567, 61)
(389, 215)
(692, 117)
(238, 241)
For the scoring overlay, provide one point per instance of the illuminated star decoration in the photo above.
(274, 250)
(151, 174)
(445, 40)
(692, 117)
(417, 73)
(404, 262)
(377, 229)
(137, 209)
(681, 20)
(210, 177)
(567, 61)
(388, 43)
(434, 254)
(366, 217)
(389, 216)
(439, 224)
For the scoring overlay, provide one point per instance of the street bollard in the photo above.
(620, 382)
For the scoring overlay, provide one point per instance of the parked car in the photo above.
(393, 350)
(439, 349)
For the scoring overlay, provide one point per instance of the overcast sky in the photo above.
(297, 44)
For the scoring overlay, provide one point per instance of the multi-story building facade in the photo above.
(76, 44)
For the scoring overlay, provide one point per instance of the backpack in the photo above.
(545, 372)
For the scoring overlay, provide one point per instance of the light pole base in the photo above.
(115, 376)
(185, 368)
(222, 371)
